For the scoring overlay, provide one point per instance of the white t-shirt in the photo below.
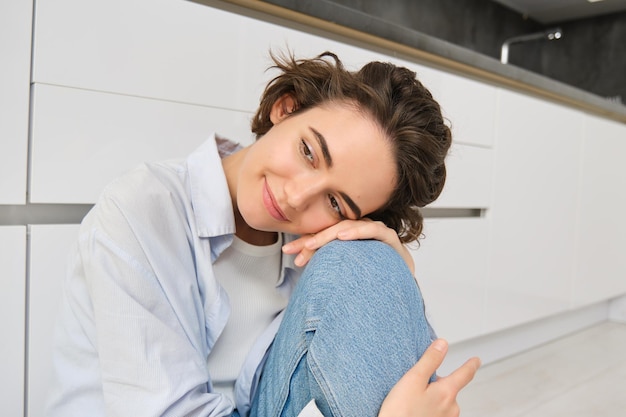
(249, 274)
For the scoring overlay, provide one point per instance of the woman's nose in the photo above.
(301, 192)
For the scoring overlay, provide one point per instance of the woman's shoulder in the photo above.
(148, 180)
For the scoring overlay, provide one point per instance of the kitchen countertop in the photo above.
(361, 27)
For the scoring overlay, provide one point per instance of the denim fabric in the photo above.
(354, 325)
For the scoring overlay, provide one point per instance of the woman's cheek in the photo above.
(321, 222)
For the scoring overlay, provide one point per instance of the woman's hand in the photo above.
(413, 396)
(306, 246)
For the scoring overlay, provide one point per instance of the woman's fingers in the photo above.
(413, 396)
(298, 247)
(365, 229)
(463, 375)
(419, 375)
(433, 358)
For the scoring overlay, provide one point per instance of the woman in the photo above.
(176, 293)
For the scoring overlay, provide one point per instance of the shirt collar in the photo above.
(210, 198)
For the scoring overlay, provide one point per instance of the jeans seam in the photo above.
(323, 385)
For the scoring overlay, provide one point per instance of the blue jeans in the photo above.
(354, 325)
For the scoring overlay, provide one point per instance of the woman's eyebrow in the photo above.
(355, 209)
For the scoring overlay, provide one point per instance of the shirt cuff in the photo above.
(310, 410)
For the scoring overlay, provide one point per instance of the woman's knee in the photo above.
(371, 255)
(367, 254)
(367, 267)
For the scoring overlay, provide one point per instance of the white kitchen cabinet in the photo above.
(165, 49)
(49, 248)
(534, 211)
(81, 140)
(12, 314)
(601, 262)
(470, 106)
(469, 179)
(15, 40)
(451, 270)
(185, 52)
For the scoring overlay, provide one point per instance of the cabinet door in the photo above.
(451, 270)
(15, 41)
(163, 49)
(12, 322)
(49, 248)
(601, 272)
(471, 108)
(81, 140)
(469, 178)
(533, 215)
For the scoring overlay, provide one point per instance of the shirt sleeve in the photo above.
(147, 313)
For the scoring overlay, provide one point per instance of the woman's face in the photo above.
(313, 169)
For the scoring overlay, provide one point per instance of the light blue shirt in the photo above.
(142, 308)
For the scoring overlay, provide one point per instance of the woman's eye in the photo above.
(334, 204)
(306, 151)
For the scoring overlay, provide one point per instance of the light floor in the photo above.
(580, 375)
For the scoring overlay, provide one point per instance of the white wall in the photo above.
(119, 82)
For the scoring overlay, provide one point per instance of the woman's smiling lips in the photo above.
(270, 204)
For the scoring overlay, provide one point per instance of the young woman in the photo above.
(187, 293)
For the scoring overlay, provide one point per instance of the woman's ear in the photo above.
(283, 107)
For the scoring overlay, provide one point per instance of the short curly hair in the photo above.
(403, 108)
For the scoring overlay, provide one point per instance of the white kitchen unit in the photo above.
(451, 270)
(15, 40)
(166, 49)
(470, 106)
(81, 140)
(534, 211)
(12, 322)
(601, 262)
(469, 180)
(163, 49)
